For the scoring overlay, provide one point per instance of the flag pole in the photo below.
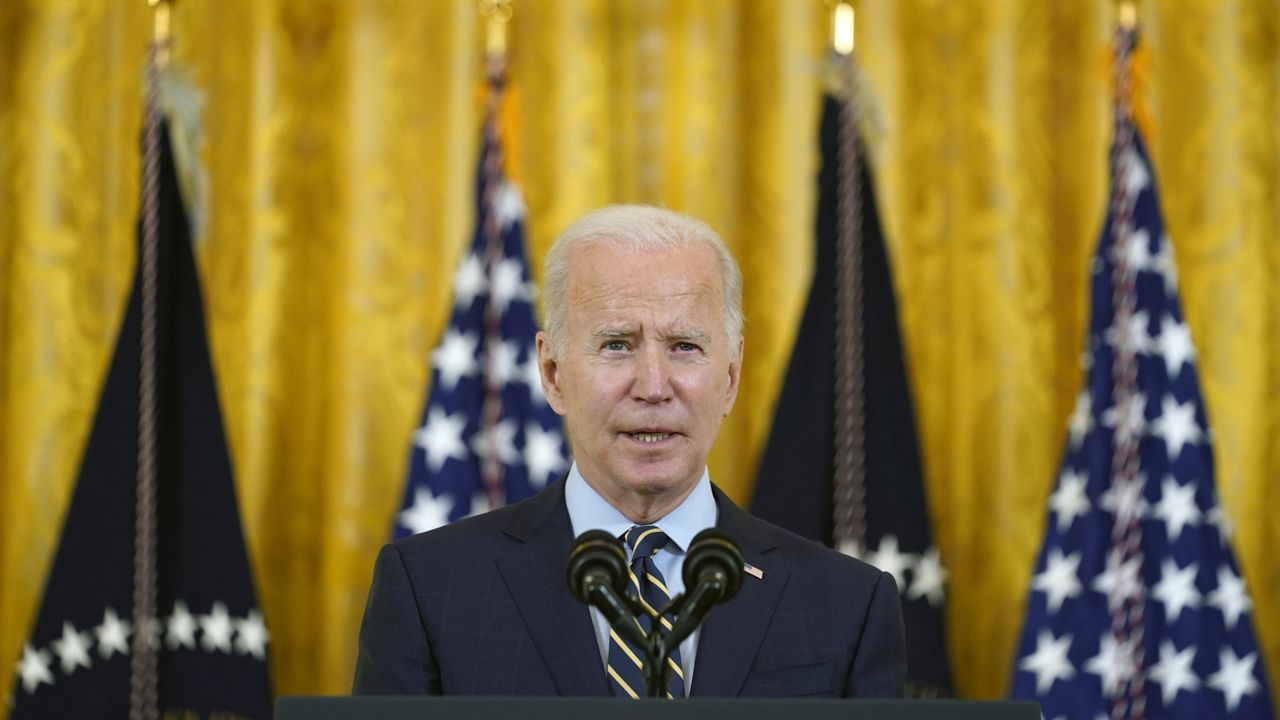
(1126, 601)
(497, 15)
(144, 665)
(849, 409)
(843, 17)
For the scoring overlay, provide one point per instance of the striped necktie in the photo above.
(647, 584)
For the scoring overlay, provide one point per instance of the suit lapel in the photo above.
(732, 633)
(559, 624)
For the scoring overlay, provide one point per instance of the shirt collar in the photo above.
(589, 511)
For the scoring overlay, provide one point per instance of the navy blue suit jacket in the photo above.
(481, 607)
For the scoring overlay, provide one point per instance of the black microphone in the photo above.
(712, 575)
(597, 574)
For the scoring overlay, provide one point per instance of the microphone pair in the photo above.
(597, 574)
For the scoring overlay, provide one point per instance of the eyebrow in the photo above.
(611, 333)
(694, 335)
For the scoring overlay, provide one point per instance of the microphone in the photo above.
(597, 574)
(712, 575)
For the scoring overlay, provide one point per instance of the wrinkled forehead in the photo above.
(604, 277)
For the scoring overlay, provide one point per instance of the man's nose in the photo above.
(653, 377)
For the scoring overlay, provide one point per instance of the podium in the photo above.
(558, 708)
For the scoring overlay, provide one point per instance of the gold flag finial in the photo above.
(162, 29)
(497, 14)
(1127, 14)
(842, 26)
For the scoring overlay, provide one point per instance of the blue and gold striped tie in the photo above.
(624, 670)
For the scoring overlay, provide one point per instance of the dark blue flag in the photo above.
(209, 631)
(1137, 606)
(794, 486)
(487, 435)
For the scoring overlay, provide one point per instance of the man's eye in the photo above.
(686, 347)
(615, 346)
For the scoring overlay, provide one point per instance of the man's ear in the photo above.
(549, 371)
(735, 374)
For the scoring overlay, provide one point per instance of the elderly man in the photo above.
(641, 355)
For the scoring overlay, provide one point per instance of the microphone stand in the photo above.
(689, 610)
(599, 558)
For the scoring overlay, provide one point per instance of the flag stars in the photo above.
(1049, 662)
(1114, 664)
(508, 284)
(1136, 251)
(542, 454)
(1121, 579)
(216, 629)
(1059, 580)
(1069, 501)
(928, 578)
(1176, 425)
(1176, 589)
(1174, 345)
(72, 649)
(1230, 597)
(1177, 507)
(251, 635)
(113, 635)
(441, 438)
(1124, 499)
(1164, 264)
(455, 358)
(1173, 672)
(182, 628)
(890, 559)
(1128, 417)
(469, 281)
(427, 512)
(497, 441)
(1131, 335)
(508, 205)
(1081, 421)
(502, 362)
(33, 669)
(1234, 678)
(1137, 178)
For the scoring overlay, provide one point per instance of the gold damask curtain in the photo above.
(340, 141)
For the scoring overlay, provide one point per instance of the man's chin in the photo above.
(658, 481)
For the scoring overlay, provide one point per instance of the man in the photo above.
(641, 355)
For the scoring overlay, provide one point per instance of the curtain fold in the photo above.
(339, 145)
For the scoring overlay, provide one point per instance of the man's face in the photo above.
(647, 372)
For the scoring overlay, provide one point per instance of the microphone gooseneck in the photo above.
(597, 574)
(712, 575)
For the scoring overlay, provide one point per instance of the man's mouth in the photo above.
(650, 437)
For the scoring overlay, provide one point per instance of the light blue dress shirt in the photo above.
(589, 511)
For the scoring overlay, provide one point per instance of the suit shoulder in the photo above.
(805, 554)
(488, 532)
(469, 537)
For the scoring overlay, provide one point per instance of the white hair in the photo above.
(634, 227)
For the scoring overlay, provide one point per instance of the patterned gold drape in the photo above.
(340, 144)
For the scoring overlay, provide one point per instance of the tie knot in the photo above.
(644, 540)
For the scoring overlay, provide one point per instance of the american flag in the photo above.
(487, 435)
(1137, 606)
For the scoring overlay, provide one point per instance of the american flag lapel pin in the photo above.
(753, 571)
